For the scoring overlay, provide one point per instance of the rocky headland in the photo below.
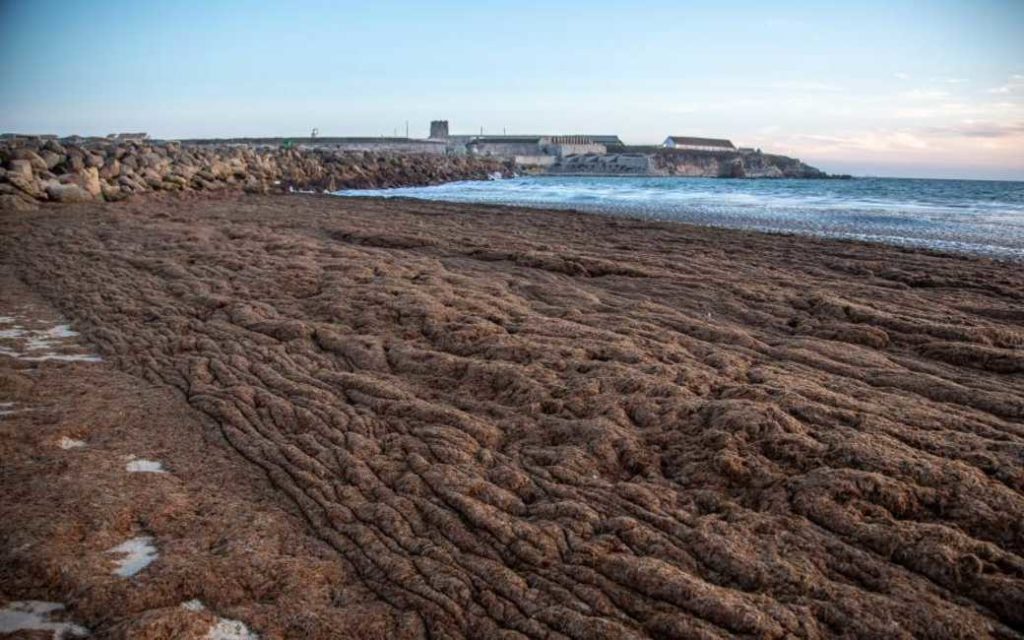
(38, 170)
(661, 162)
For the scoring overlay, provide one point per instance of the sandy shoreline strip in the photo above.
(406, 419)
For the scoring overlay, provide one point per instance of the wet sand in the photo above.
(399, 419)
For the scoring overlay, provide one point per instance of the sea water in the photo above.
(972, 216)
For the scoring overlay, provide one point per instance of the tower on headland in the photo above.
(438, 129)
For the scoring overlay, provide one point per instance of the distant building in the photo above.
(698, 144)
(522, 146)
(505, 146)
(438, 129)
(608, 141)
(129, 137)
(534, 150)
(571, 145)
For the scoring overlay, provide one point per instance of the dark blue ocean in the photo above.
(972, 216)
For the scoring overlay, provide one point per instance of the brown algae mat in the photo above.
(331, 418)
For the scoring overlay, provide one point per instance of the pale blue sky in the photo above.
(884, 88)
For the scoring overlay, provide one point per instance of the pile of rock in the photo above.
(37, 170)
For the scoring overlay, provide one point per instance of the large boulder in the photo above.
(36, 162)
(153, 160)
(75, 160)
(68, 193)
(26, 185)
(219, 170)
(51, 158)
(88, 179)
(54, 147)
(111, 169)
(21, 167)
(153, 179)
(112, 193)
(181, 181)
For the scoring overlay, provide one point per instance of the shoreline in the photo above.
(463, 420)
(975, 240)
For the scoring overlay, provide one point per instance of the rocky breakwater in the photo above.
(38, 170)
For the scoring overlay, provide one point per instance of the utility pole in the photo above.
(406, 128)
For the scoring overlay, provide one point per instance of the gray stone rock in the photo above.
(26, 185)
(76, 159)
(51, 158)
(23, 153)
(21, 167)
(111, 169)
(89, 179)
(68, 193)
(112, 193)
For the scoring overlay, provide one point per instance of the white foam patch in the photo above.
(144, 466)
(47, 338)
(63, 357)
(230, 630)
(224, 629)
(70, 443)
(40, 345)
(138, 554)
(34, 615)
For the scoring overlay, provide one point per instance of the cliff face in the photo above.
(35, 170)
(697, 164)
(731, 165)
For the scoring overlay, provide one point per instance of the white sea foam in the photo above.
(64, 357)
(34, 615)
(45, 338)
(136, 553)
(40, 345)
(142, 465)
(223, 629)
(230, 630)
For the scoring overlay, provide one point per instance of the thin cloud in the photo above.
(1013, 86)
(810, 87)
(981, 130)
